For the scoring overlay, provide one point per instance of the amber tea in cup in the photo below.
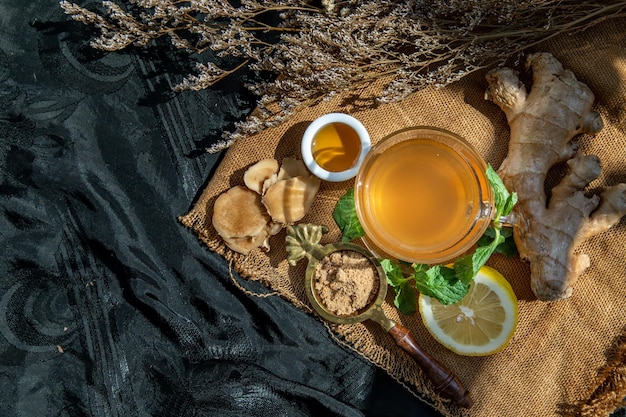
(334, 145)
(422, 195)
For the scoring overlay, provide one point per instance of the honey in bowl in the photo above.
(422, 195)
(336, 147)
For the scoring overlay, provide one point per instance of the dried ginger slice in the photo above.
(244, 245)
(240, 219)
(288, 201)
(292, 167)
(245, 217)
(260, 175)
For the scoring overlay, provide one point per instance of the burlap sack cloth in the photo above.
(559, 353)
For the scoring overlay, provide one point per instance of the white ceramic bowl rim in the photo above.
(307, 141)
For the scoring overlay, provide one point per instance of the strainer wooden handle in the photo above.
(446, 383)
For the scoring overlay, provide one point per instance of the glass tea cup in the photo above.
(422, 196)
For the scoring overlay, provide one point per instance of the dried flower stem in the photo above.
(319, 52)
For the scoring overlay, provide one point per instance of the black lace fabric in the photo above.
(108, 305)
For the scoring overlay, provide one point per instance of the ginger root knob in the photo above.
(543, 123)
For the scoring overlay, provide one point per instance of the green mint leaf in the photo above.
(487, 237)
(500, 193)
(393, 271)
(505, 232)
(466, 267)
(506, 248)
(420, 268)
(346, 218)
(405, 299)
(446, 272)
(482, 254)
(510, 203)
(441, 283)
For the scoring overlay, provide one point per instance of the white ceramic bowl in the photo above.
(307, 146)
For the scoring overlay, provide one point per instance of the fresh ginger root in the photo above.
(543, 123)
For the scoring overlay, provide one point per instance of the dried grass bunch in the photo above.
(320, 48)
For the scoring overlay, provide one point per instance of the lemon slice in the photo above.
(482, 323)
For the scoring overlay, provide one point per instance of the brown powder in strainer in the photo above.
(345, 281)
